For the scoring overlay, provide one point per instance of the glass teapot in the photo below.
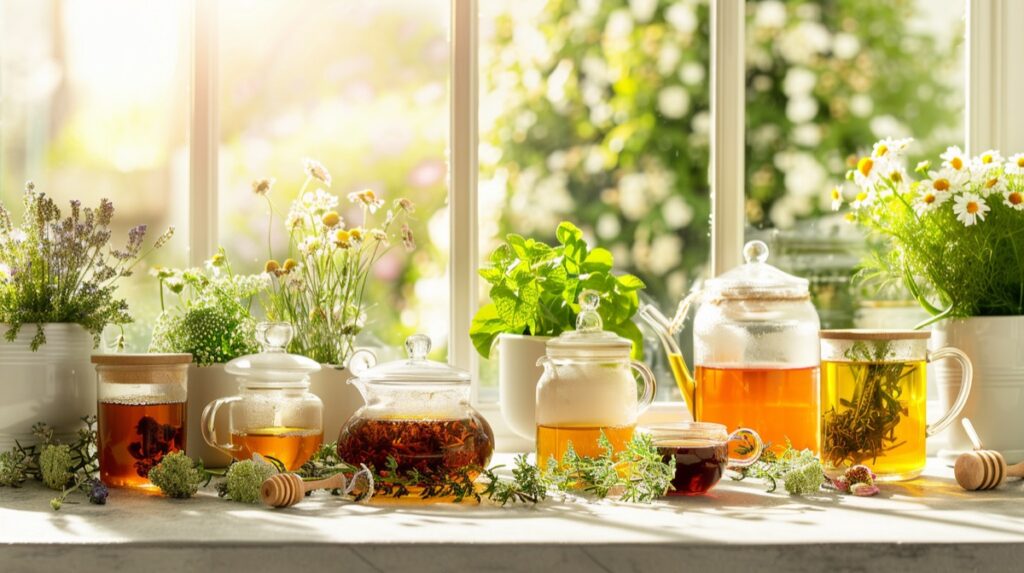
(274, 414)
(588, 388)
(756, 352)
(417, 411)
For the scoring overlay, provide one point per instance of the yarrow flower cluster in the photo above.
(952, 234)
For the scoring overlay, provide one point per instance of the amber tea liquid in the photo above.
(135, 437)
(778, 403)
(291, 446)
(554, 440)
(699, 464)
(901, 454)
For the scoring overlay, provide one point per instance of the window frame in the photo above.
(990, 122)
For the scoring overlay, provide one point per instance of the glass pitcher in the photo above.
(588, 389)
(756, 352)
(274, 414)
(417, 411)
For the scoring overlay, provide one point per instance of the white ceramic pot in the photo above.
(340, 398)
(518, 374)
(996, 404)
(55, 384)
(206, 384)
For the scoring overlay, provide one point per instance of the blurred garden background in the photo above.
(595, 111)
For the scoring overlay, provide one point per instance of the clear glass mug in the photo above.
(701, 453)
(873, 400)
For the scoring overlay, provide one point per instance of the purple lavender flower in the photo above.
(97, 491)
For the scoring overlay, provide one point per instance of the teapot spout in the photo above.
(684, 380)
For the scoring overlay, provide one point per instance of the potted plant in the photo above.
(534, 295)
(58, 280)
(318, 287)
(957, 243)
(211, 319)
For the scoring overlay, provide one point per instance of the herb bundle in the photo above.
(799, 471)
(56, 269)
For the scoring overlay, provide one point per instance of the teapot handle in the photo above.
(208, 424)
(650, 385)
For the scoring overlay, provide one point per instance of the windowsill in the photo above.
(926, 524)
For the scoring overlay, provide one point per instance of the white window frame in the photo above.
(990, 122)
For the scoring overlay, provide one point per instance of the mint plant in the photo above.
(535, 288)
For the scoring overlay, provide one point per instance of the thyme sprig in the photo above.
(638, 474)
(799, 471)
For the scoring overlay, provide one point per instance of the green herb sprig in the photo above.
(638, 474)
(800, 471)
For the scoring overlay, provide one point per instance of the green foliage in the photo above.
(212, 319)
(638, 474)
(800, 471)
(535, 289)
(66, 468)
(528, 484)
(63, 269)
(244, 479)
(55, 466)
(607, 113)
(178, 476)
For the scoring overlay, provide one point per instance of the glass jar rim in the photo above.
(709, 431)
(875, 334)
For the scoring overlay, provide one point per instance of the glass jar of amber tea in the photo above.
(417, 413)
(873, 397)
(274, 414)
(141, 409)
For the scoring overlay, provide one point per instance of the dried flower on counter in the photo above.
(178, 476)
(54, 465)
(244, 479)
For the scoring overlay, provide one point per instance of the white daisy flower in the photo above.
(837, 198)
(928, 200)
(992, 183)
(863, 199)
(969, 207)
(310, 245)
(890, 148)
(939, 181)
(1014, 200)
(987, 160)
(868, 171)
(1014, 165)
(955, 159)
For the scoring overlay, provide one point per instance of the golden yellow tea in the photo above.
(133, 438)
(554, 440)
(291, 446)
(778, 403)
(874, 414)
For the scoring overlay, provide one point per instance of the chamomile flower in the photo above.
(939, 181)
(992, 183)
(890, 149)
(1014, 165)
(969, 208)
(310, 245)
(867, 171)
(988, 160)
(928, 200)
(368, 198)
(1014, 200)
(837, 198)
(955, 159)
(316, 170)
(863, 199)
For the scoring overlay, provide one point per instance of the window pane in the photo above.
(825, 80)
(597, 113)
(94, 103)
(362, 88)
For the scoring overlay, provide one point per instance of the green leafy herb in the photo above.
(800, 471)
(638, 474)
(535, 290)
(528, 484)
(178, 476)
(244, 478)
(863, 427)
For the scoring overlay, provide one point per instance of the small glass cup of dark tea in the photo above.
(701, 452)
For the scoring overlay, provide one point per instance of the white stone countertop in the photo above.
(927, 524)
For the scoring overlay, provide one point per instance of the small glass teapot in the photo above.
(274, 413)
(417, 411)
(588, 388)
(756, 352)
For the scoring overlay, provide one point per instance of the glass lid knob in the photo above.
(589, 320)
(755, 252)
(417, 346)
(274, 336)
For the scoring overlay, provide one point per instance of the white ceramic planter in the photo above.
(518, 374)
(996, 404)
(55, 384)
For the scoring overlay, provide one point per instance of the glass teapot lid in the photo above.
(274, 364)
(756, 279)
(589, 340)
(415, 369)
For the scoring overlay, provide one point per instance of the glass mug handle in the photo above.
(208, 424)
(751, 458)
(650, 385)
(966, 379)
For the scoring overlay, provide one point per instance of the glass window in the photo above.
(96, 104)
(362, 88)
(825, 80)
(598, 113)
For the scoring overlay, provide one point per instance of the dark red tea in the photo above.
(699, 464)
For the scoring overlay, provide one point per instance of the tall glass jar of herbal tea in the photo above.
(873, 397)
(141, 411)
(756, 353)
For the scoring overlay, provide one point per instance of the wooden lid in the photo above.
(865, 334)
(153, 359)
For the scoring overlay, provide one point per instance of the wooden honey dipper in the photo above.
(285, 490)
(982, 469)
